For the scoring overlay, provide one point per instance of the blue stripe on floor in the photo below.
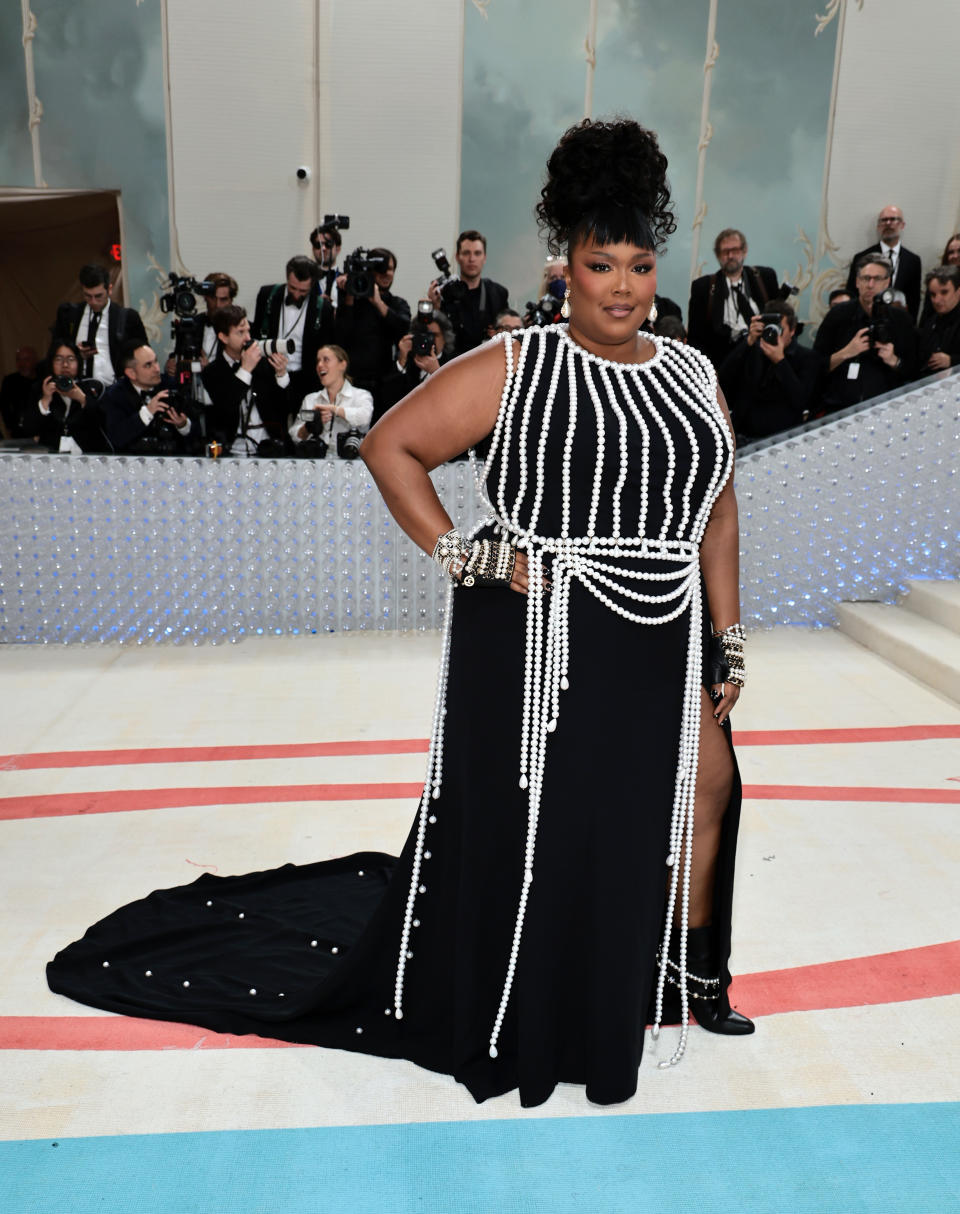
(805, 1161)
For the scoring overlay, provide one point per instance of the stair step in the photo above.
(937, 601)
(925, 649)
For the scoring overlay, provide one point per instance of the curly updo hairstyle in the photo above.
(608, 180)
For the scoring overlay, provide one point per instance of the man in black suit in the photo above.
(97, 326)
(471, 303)
(140, 420)
(939, 338)
(905, 265)
(369, 328)
(723, 304)
(870, 346)
(771, 385)
(326, 243)
(250, 394)
(296, 311)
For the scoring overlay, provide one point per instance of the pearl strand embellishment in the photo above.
(598, 564)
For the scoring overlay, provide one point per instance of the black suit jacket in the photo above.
(121, 406)
(318, 326)
(369, 338)
(85, 425)
(123, 325)
(227, 391)
(939, 333)
(705, 327)
(907, 279)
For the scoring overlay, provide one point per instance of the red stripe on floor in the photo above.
(826, 792)
(918, 973)
(819, 737)
(210, 754)
(60, 805)
(67, 804)
(399, 746)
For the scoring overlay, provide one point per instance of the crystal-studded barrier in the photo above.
(127, 549)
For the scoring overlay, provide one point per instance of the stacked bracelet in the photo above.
(731, 641)
(480, 563)
(490, 562)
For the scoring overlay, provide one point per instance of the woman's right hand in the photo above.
(404, 345)
(47, 391)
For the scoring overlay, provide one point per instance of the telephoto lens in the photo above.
(278, 345)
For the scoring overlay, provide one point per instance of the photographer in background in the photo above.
(326, 242)
(66, 415)
(250, 394)
(98, 327)
(904, 265)
(143, 414)
(369, 326)
(420, 354)
(506, 321)
(336, 417)
(471, 303)
(296, 311)
(939, 338)
(771, 382)
(723, 304)
(17, 393)
(870, 344)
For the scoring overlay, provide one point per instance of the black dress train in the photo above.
(310, 953)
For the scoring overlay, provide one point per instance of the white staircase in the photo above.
(921, 635)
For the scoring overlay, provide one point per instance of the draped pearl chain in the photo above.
(663, 588)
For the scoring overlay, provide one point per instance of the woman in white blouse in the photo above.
(341, 406)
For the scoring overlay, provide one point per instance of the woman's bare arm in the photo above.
(720, 564)
(449, 412)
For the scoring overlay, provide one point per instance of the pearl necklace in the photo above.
(601, 565)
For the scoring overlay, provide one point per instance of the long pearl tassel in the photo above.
(682, 824)
(431, 791)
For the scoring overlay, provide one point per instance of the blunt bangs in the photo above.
(616, 224)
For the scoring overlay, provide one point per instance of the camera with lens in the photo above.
(772, 327)
(348, 444)
(63, 383)
(314, 446)
(181, 299)
(342, 222)
(277, 345)
(360, 267)
(880, 331)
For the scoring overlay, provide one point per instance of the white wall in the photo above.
(897, 123)
(365, 92)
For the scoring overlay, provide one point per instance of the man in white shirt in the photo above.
(296, 311)
(99, 327)
(905, 265)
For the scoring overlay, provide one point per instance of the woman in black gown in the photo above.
(580, 812)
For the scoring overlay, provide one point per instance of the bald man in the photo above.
(907, 274)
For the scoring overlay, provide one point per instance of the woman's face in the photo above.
(330, 369)
(953, 253)
(611, 292)
(64, 362)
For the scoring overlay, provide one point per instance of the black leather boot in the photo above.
(707, 1002)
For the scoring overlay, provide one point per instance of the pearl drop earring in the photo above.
(565, 306)
(653, 313)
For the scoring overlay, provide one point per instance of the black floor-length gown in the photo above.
(610, 456)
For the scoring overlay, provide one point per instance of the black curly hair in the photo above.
(608, 180)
